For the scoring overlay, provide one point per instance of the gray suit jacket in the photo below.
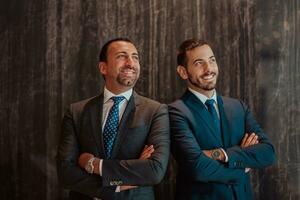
(144, 122)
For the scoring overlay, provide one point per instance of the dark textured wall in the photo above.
(48, 59)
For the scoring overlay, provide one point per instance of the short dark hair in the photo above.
(186, 46)
(104, 49)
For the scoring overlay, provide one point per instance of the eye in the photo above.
(199, 63)
(122, 56)
(136, 57)
(213, 60)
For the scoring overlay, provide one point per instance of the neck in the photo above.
(118, 90)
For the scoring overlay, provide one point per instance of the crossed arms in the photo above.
(137, 171)
(253, 151)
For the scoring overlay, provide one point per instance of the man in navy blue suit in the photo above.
(215, 140)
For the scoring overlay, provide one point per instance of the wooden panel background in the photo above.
(49, 55)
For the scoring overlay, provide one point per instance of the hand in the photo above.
(249, 140)
(127, 187)
(84, 158)
(207, 153)
(147, 151)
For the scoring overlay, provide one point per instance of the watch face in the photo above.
(215, 154)
(89, 167)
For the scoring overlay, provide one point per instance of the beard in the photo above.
(207, 86)
(125, 80)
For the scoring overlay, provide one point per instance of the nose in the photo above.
(207, 66)
(129, 62)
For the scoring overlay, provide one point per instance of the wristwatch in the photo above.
(89, 167)
(215, 154)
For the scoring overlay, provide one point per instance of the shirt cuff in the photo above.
(118, 189)
(100, 167)
(225, 154)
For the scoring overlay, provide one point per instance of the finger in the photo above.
(249, 139)
(148, 149)
(253, 140)
(244, 139)
(147, 154)
(150, 153)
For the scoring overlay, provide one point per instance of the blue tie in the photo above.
(111, 126)
(211, 108)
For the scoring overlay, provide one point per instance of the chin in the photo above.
(127, 82)
(208, 87)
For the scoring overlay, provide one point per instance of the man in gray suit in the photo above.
(115, 145)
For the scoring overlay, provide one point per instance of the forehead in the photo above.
(201, 52)
(121, 46)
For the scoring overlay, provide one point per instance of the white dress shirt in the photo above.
(107, 104)
(203, 99)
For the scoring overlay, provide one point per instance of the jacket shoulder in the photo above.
(147, 101)
(229, 101)
(176, 104)
(78, 107)
(178, 107)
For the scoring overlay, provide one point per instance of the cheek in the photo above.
(217, 70)
(197, 72)
(137, 64)
(216, 67)
(138, 67)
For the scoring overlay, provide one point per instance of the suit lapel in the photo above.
(96, 120)
(224, 122)
(125, 123)
(200, 112)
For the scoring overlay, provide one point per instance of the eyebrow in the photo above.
(200, 59)
(124, 52)
(120, 52)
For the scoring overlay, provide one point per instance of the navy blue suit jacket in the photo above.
(192, 131)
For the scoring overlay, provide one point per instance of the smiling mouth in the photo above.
(208, 77)
(128, 72)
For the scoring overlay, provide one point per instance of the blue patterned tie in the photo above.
(111, 126)
(211, 108)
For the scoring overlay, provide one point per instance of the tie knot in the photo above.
(117, 99)
(209, 102)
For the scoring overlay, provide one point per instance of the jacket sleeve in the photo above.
(190, 157)
(70, 175)
(143, 172)
(255, 156)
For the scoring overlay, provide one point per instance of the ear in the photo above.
(182, 72)
(102, 68)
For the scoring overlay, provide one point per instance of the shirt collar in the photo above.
(202, 97)
(108, 94)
